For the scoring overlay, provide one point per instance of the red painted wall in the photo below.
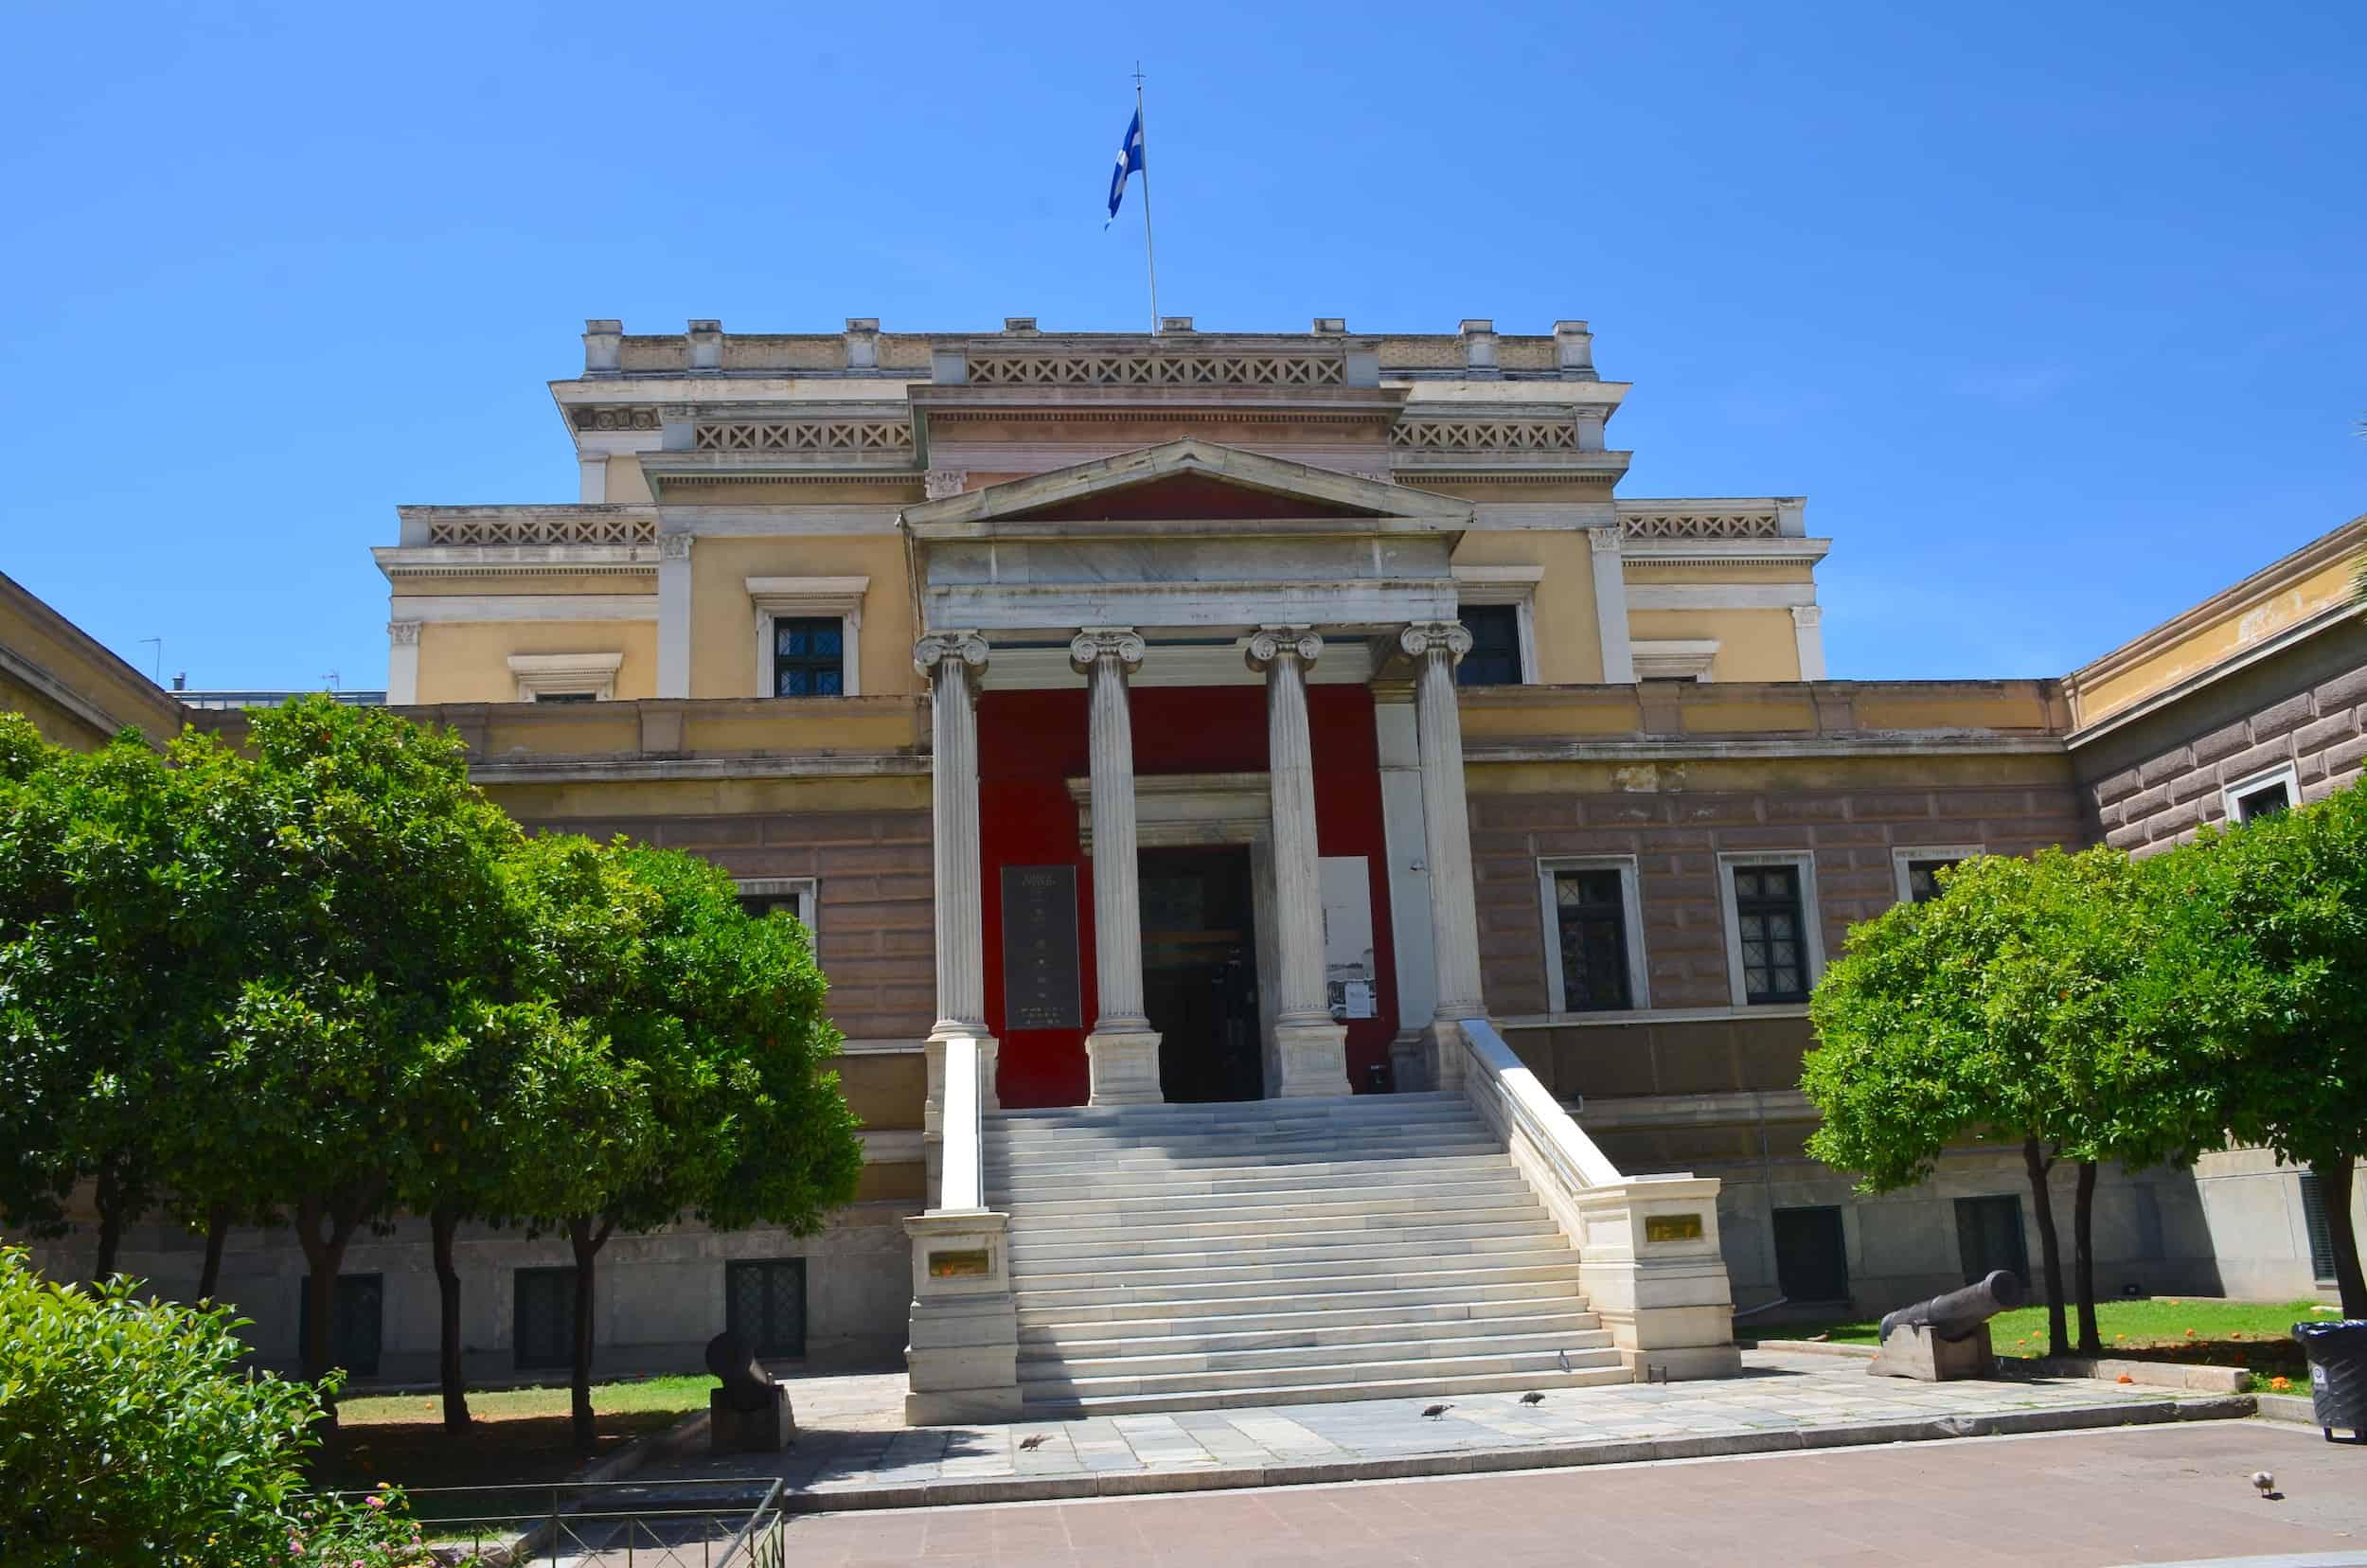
(1030, 744)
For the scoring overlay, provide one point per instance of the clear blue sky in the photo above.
(2056, 314)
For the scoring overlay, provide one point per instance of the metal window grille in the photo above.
(764, 1302)
(545, 1318)
(2321, 1234)
(1768, 913)
(1495, 656)
(1592, 916)
(1923, 878)
(809, 656)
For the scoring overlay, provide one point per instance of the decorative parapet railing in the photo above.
(494, 527)
(1485, 436)
(988, 367)
(870, 439)
(1700, 525)
(1649, 1256)
(962, 1363)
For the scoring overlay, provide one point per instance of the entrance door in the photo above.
(1199, 972)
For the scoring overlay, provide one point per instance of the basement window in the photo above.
(2262, 794)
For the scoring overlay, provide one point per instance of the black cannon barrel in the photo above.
(1959, 1312)
(746, 1384)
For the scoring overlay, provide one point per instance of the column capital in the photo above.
(1606, 541)
(675, 546)
(1808, 614)
(967, 648)
(1271, 643)
(403, 634)
(1451, 638)
(940, 483)
(1095, 643)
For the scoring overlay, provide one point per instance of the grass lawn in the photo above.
(518, 1435)
(2256, 1335)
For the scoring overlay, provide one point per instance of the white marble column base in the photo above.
(1442, 1053)
(1409, 1063)
(1312, 1060)
(1125, 1067)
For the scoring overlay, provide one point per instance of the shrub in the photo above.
(130, 1433)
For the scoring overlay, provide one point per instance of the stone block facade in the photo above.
(2159, 777)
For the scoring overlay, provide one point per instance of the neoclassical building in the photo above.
(1295, 849)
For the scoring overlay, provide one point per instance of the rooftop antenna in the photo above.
(157, 673)
(332, 679)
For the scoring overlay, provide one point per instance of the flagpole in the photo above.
(1150, 255)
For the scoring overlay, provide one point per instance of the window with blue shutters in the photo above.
(809, 656)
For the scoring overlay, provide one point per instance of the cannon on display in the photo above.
(1948, 1336)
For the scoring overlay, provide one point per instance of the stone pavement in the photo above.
(853, 1451)
(2165, 1495)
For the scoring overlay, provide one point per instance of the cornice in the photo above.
(618, 770)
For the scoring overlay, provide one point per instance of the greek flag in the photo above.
(1129, 161)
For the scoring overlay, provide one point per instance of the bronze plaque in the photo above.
(972, 1264)
(1672, 1227)
(1039, 958)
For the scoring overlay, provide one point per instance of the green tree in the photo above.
(1983, 1013)
(98, 982)
(709, 1093)
(363, 868)
(2262, 960)
(132, 1435)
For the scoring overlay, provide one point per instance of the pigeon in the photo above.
(1035, 1441)
(1532, 1399)
(1433, 1411)
(1563, 1356)
(2266, 1485)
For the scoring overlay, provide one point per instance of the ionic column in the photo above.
(1435, 646)
(1122, 1051)
(1310, 1055)
(673, 615)
(951, 661)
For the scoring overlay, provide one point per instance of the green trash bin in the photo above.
(2337, 1375)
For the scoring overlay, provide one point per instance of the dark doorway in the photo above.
(1199, 972)
(1811, 1260)
(1988, 1235)
(356, 1326)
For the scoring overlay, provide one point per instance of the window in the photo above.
(764, 1302)
(1988, 1235)
(763, 895)
(809, 656)
(2321, 1234)
(1593, 934)
(565, 677)
(545, 1313)
(1495, 656)
(1811, 1261)
(2262, 794)
(808, 635)
(1686, 659)
(1773, 950)
(357, 1323)
(1919, 866)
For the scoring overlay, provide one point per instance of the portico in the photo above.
(1182, 570)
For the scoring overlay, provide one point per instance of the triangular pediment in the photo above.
(1187, 481)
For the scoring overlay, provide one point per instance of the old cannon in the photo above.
(750, 1413)
(1946, 1337)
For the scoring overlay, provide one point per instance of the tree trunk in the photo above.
(323, 1230)
(587, 1242)
(2050, 1247)
(110, 1201)
(442, 1224)
(2084, 1259)
(216, 1233)
(2334, 1188)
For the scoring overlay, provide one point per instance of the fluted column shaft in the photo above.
(1107, 655)
(1436, 646)
(1285, 653)
(951, 661)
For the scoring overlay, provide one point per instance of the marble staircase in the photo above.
(1280, 1252)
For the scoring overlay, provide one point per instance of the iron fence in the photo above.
(605, 1525)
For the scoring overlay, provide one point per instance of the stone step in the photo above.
(1346, 1108)
(1362, 1175)
(1497, 1190)
(1290, 1280)
(1048, 1406)
(1377, 1375)
(1112, 1261)
(1146, 1365)
(1284, 1224)
(1081, 1343)
(1457, 1290)
(1154, 1138)
(1310, 1158)
(1355, 1262)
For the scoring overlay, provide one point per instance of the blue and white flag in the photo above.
(1129, 161)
